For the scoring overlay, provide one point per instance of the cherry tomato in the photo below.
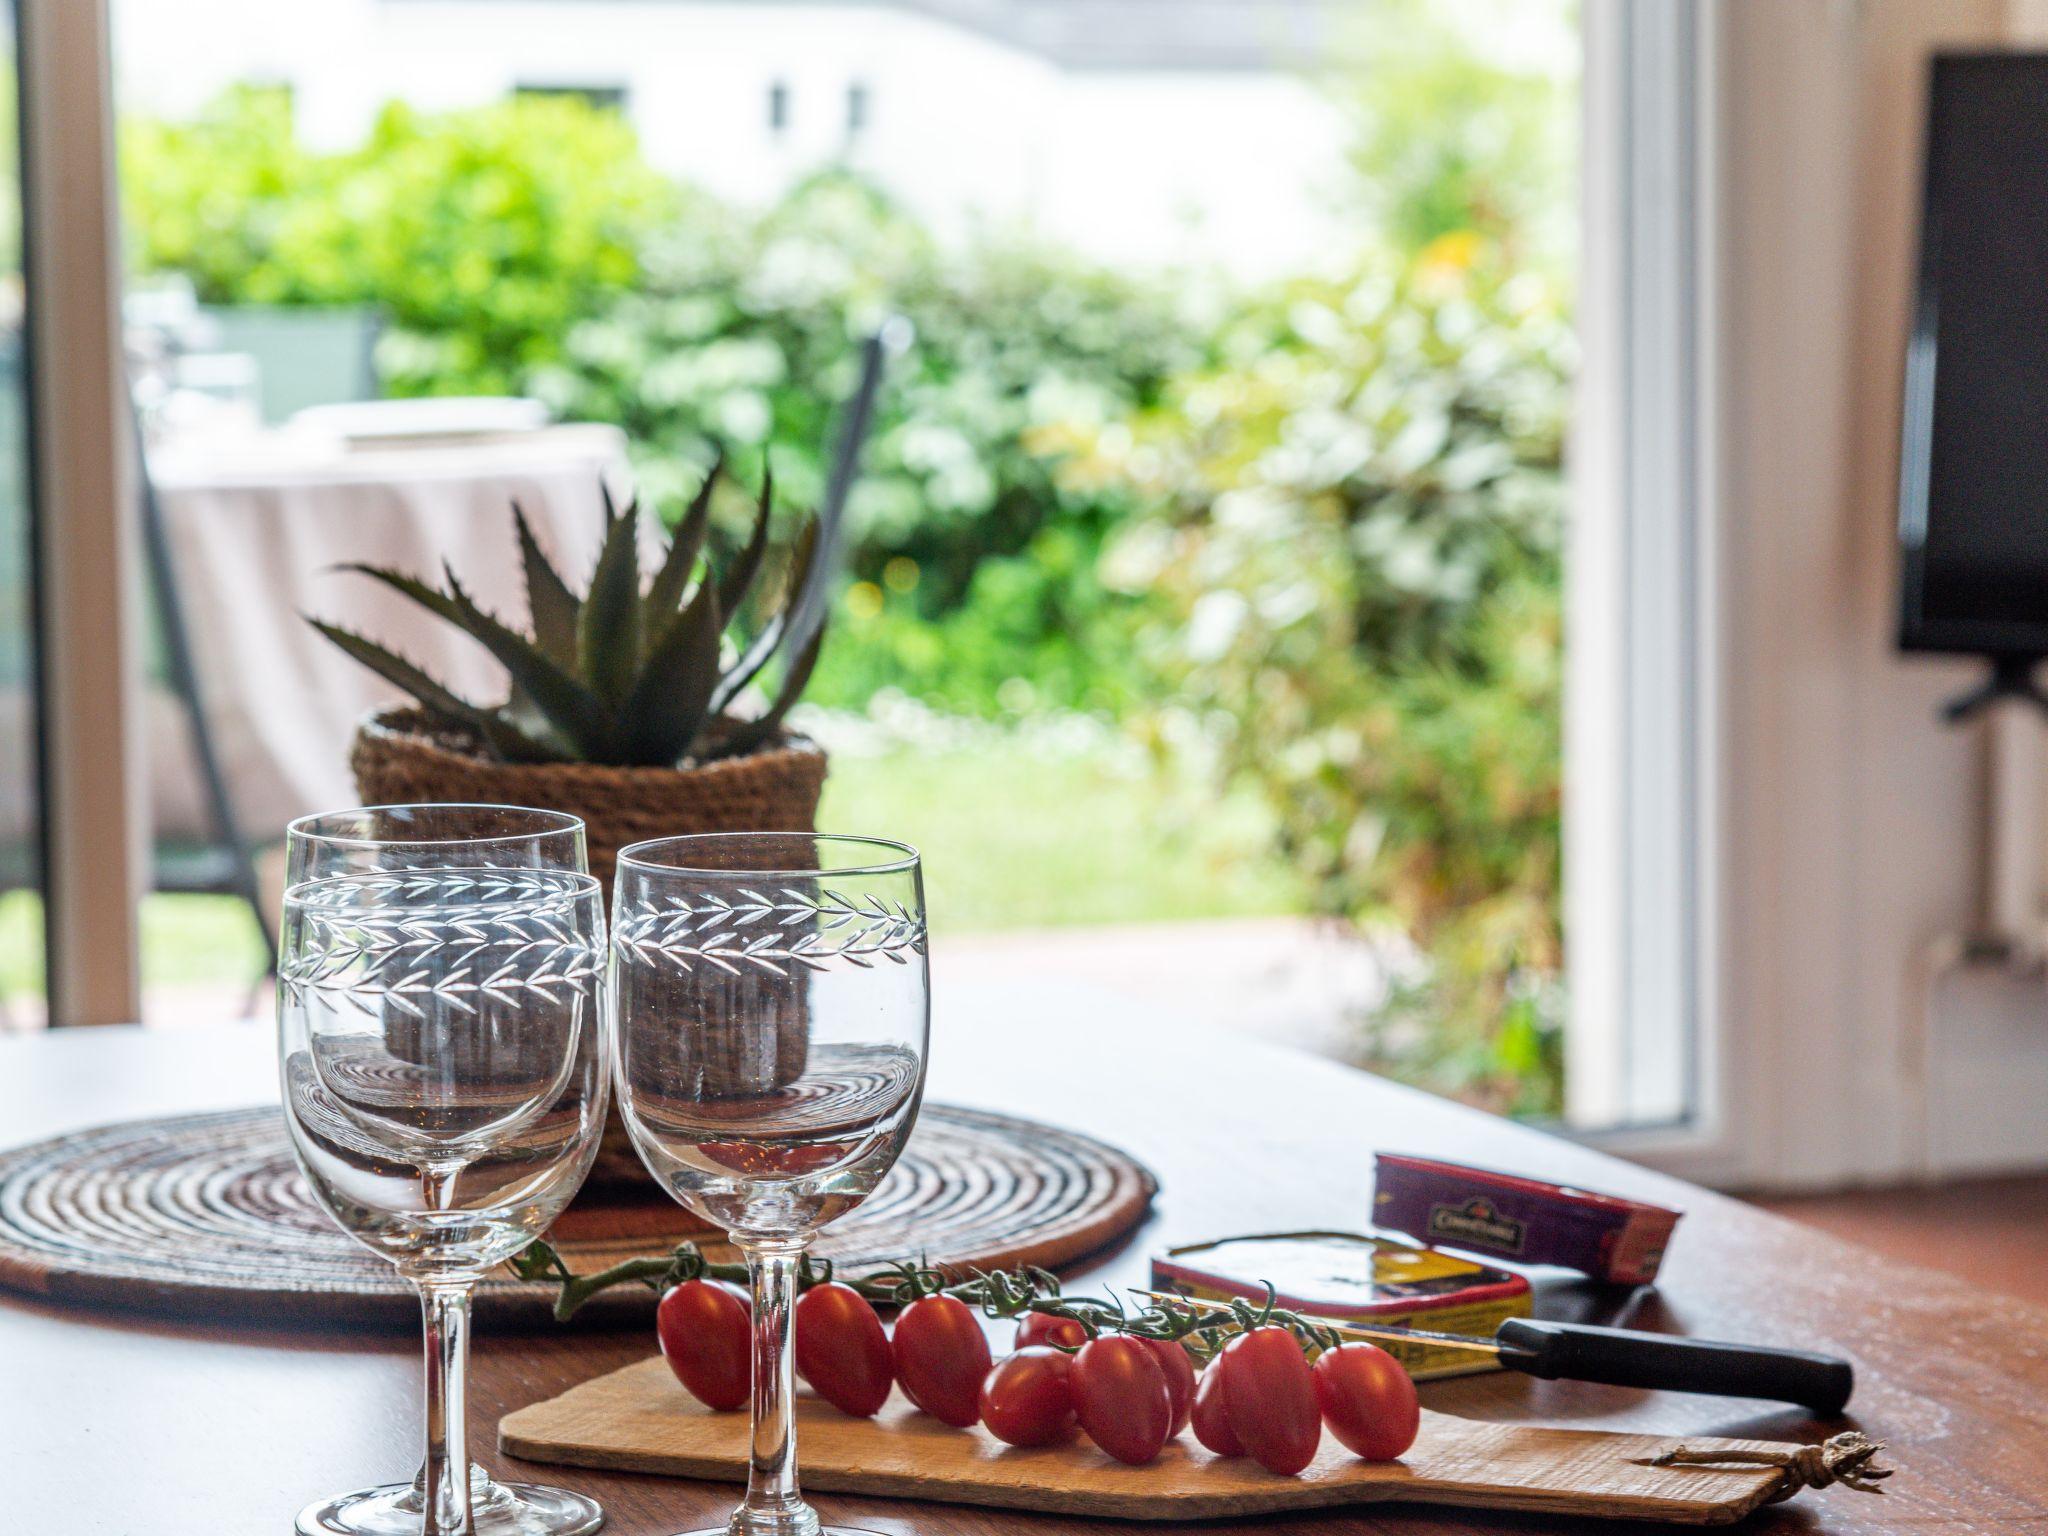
(1211, 1421)
(842, 1350)
(1044, 1328)
(1121, 1397)
(1270, 1396)
(1028, 1398)
(706, 1333)
(1180, 1380)
(941, 1357)
(1367, 1400)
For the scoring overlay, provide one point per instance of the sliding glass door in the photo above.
(21, 842)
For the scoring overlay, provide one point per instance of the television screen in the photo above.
(1973, 490)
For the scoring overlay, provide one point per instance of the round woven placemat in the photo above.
(207, 1215)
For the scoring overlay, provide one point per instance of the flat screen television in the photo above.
(1973, 463)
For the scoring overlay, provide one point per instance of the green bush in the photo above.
(526, 247)
(483, 235)
(1456, 134)
(976, 564)
(1358, 539)
(1326, 528)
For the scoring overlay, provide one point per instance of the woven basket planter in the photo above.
(398, 759)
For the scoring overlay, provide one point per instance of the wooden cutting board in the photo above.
(639, 1420)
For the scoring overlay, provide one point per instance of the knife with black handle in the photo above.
(1623, 1357)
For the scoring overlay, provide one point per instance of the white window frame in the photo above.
(1644, 1050)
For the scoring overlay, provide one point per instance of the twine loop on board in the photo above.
(1848, 1458)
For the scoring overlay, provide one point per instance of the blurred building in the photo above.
(1136, 130)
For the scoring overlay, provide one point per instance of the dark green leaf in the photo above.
(520, 713)
(665, 595)
(577, 714)
(430, 598)
(608, 626)
(764, 645)
(739, 576)
(669, 704)
(548, 598)
(757, 731)
(505, 739)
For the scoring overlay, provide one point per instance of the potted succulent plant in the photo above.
(623, 701)
(622, 707)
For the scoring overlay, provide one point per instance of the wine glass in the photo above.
(441, 1044)
(770, 1012)
(391, 837)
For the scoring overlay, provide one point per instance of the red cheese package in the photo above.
(1521, 1219)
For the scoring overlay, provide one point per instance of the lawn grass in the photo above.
(1017, 839)
(186, 941)
(1013, 836)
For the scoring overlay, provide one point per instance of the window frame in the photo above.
(1646, 1047)
(82, 454)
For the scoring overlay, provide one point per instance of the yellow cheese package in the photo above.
(1349, 1276)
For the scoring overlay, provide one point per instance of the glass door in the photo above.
(22, 969)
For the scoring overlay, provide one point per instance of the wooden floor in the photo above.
(1990, 1231)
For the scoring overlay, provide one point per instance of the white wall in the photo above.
(1852, 820)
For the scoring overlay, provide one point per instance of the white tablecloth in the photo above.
(256, 527)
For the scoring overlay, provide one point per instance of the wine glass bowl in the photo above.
(773, 1020)
(443, 1063)
(770, 1007)
(414, 837)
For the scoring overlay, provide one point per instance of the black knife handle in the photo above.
(1622, 1358)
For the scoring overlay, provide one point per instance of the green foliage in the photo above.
(526, 247)
(1359, 545)
(974, 560)
(1325, 528)
(483, 235)
(1456, 138)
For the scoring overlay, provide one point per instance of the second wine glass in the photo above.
(770, 1019)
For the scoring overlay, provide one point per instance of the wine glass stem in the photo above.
(445, 1496)
(774, 1506)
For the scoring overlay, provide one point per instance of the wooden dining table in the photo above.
(132, 1425)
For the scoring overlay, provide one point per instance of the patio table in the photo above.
(130, 1424)
(256, 526)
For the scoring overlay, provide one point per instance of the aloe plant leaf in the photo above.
(516, 744)
(608, 624)
(430, 598)
(671, 702)
(665, 594)
(755, 732)
(764, 645)
(575, 713)
(548, 598)
(505, 739)
(813, 585)
(739, 576)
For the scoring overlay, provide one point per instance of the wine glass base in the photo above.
(496, 1509)
(822, 1530)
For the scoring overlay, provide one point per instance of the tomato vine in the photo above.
(1003, 1293)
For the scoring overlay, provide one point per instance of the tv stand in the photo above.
(2012, 677)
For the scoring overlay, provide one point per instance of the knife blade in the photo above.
(1621, 1357)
